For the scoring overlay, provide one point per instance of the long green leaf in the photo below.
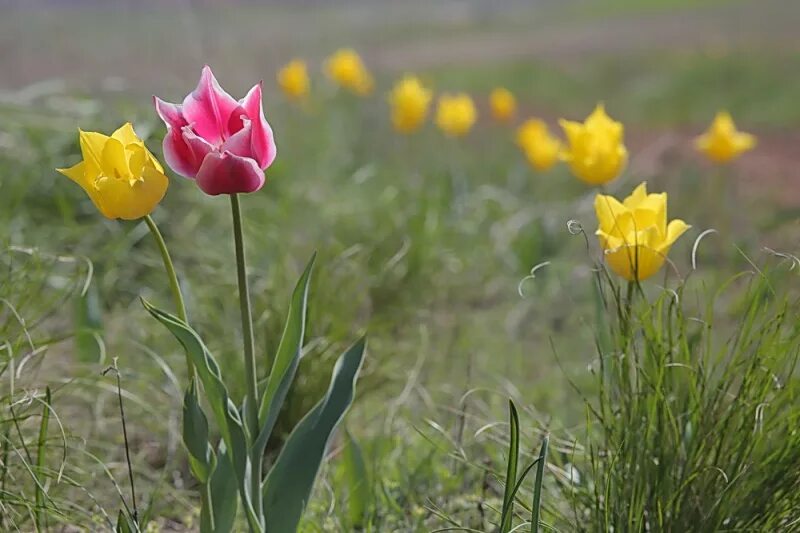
(222, 489)
(537, 488)
(195, 435)
(225, 412)
(287, 359)
(511, 471)
(355, 471)
(289, 483)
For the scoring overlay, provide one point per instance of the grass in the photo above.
(670, 410)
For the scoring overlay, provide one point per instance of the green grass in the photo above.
(422, 242)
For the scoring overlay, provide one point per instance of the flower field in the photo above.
(459, 266)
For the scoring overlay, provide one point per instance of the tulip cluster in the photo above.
(409, 101)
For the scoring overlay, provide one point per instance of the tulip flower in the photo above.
(502, 104)
(409, 101)
(541, 149)
(346, 69)
(120, 175)
(223, 144)
(634, 234)
(455, 114)
(722, 142)
(293, 79)
(596, 153)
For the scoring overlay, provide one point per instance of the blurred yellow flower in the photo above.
(722, 142)
(634, 234)
(503, 104)
(455, 114)
(540, 148)
(409, 101)
(293, 79)
(596, 153)
(121, 177)
(346, 68)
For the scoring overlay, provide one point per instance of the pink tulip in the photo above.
(222, 143)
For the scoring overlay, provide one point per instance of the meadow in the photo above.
(513, 380)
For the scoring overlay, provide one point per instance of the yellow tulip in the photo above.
(121, 177)
(455, 114)
(634, 234)
(540, 148)
(722, 142)
(596, 153)
(346, 68)
(293, 79)
(409, 101)
(503, 104)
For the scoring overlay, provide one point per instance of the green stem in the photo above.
(251, 413)
(247, 317)
(174, 286)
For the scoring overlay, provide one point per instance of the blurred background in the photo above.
(423, 240)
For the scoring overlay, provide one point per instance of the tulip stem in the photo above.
(247, 318)
(175, 287)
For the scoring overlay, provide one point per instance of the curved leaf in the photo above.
(289, 483)
(287, 359)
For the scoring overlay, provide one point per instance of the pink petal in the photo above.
(209, 109)
(171, 114)
(240, 142)
(262, 140)
(184, 151)
(226, 173)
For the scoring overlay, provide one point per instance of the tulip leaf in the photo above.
(125, 524)
(221, 487)
(225, 413)
(195, 435)
(284, 367)
(289, 483)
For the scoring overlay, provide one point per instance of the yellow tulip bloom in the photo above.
(455, 114)
(409, 101)
(596, 153)
(293, 79)
(634, 234)
(502, 104)
(120, 175)
(346, 69)
(540, 148)
(722, 142)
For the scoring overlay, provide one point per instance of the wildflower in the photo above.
(120, 175)
(540, 148)
(596, 153)
(634, 234)
(409, 101)
(503, 104)
(222, 143)
(346, 69)
(455, 114)
(293, 79)
(722, 142)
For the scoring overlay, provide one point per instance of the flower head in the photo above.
(540, 147)
(455, 114)
(596, 153)
(409, 101)
(293, 79)
(120, 175)
(346, 69)
(722, 142)
(634, 234)
(503, 104)
(222, 143)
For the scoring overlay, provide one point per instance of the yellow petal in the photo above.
(126, 135)
(78, 175)
(608, 209)
(675, 229)
(637, 196)
(114, 162)
(92, 144)
(635, 262)
(127, 201)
